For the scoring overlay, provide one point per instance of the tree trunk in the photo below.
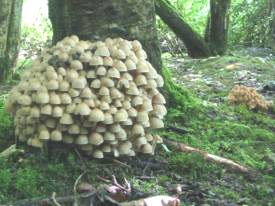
(97, 20)
(272, 23)
(194, 43)
(217, 29)
(10, 23)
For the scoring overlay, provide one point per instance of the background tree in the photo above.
(10, 23)
(217, 26)
(97, 20)
(216, 32)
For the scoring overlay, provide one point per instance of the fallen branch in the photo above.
(9, 151)
(213, 158)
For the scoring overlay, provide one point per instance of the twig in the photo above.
(9, 151)
(213, 158)
(83, 162)
(54, 200)
(121, 163)
(75, 188)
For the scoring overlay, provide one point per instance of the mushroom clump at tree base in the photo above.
(101, 96)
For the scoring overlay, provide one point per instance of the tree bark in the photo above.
(97, 20)
(194, 43)
(10, 24)
(217, 27)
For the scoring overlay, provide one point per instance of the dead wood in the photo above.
(210, 157)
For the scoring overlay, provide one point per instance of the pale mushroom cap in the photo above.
(100, 128)
(56, 135)
(124, 148)
(147, 149)
(57, 111)
(52, 85)
(35, 112)
(70, 108)
(121, 115)
(76, 65)
(98, 154)
(42, 98)
(95, 84)
(96, 61)
(107, 82)
(50, 123)
(74, 92)
(121, 134)
(106, 148)
(79, 83)
(82, 140)
(68, 139)
(115, 128)
(91, 74)
(101, 71)
(142, 67)
(108, 61)
(64, 86)
(55, 99)
(143, 116)
(104, 106)
(44, 134)
(74, 129)
(47, 109)
(96, 115)
(71, 75)
(113, 73)
(36, 143)
(159, 99)
(120, 66)
(156, 123)
(104, 91)
(66, 119)
(130, 64)
(133, 90)
(82, 109)
(138, 129)
(140, 80)
(102, 51)
(140, 141)
(96, 138)
(25, 100)
(108, 136)
(65, 98)
(132, 112)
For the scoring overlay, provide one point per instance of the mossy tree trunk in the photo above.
(97, 20)
(217, 26)
(194, 43)
(10, 23)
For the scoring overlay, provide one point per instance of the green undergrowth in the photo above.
(33, 176)
(245, 136)
(5, 123)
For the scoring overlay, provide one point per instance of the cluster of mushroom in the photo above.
(101, 96)
(248, 96)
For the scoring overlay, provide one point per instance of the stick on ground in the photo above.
(213, 158)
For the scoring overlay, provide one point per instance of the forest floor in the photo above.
(203, 118)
